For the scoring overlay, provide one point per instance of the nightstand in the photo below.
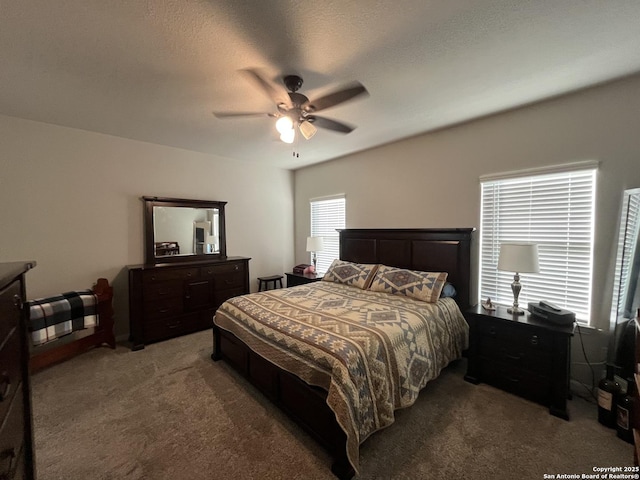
(294, 279)
(520, 354)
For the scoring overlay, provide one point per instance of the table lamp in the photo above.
(314, 244)
(519, 258)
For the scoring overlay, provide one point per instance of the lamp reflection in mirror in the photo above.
(212, 243)
(315, 244)
(519, 258)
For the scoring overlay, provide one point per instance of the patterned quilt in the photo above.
(372, 351)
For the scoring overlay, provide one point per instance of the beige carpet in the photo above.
(169, 412)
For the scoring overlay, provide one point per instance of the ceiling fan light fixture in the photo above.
(284, 125)
(288, 136)
(307, 129)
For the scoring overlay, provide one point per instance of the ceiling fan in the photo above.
(295, 110)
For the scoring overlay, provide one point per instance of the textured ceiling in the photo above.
(155, 70)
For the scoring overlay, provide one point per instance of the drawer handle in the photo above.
(237, 267)
(188, 274)
(17, 301)
(153, 277)
(209, 272)
(513, 379)
(10, 472)
(5, 386)
(162, 293)
(534, 340)
(513, 357)
(174, 325)
(163, 310)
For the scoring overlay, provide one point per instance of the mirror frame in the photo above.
(149, 229)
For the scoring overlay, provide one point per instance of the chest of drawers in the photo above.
(170, 300)
(16, 430)
(521, 355)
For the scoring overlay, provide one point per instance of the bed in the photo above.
(68, 324)
(341, 356)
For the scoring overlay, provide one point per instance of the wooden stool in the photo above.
(265, 281)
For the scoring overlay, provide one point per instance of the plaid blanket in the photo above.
(53, 317)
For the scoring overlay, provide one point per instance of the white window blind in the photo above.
(629, 228)
(327, 215)
(555, 211)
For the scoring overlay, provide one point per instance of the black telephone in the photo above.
(551, 313)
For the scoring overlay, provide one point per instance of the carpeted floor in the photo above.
(169, 412)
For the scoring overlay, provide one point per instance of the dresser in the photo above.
(168, 300)
(520, 354)
(17, 459)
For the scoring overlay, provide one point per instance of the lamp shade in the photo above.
(519, 257)
(314, 244)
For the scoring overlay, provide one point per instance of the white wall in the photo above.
(432, 180)
(70, 200)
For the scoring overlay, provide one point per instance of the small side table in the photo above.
(266, 281)
(520, 354)
(294, 279)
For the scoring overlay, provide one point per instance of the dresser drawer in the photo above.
(515, 380)
(171, 327)
(10, 370)
(516, 334)
(227, 268)
(222, 295)
(154, 291)
(12, 434)
(163, 308)
(229, 280)
(9, 312)
(159, 275)
(517, 355)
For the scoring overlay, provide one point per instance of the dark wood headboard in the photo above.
(425, 249)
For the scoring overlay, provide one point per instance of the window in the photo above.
(553, 209)
(626, 293)
(327, 215)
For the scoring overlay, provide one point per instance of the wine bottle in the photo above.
(608, 391)
(624, 412)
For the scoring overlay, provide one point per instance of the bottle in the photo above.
(608, 391)
(624, 413)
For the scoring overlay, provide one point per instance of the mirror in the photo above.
(180, 230)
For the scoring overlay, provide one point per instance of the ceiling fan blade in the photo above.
(277, 93)
(323, 122)
(242, 114)
(335, 98)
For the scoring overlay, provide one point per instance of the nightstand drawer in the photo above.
(517, 355)
(516, 334)
(515, 380)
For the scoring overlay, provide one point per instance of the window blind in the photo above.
(629, 229)
(555, 211)
(327, 215)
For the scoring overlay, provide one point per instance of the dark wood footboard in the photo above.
(103, 333)
(304, 403)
